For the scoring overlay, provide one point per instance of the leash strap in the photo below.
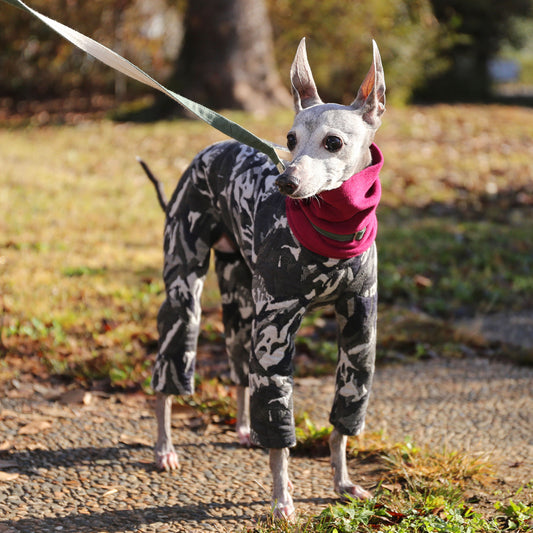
(117, 62)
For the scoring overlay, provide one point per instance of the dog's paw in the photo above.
(243, 434)
(283, 506)
(284, 511)
(167, 460)
(350, 491)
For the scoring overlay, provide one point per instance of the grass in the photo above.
(80, 236)
(432, 514)
(457, 191)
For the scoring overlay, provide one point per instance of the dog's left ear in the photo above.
(370, 100)
(304, 89)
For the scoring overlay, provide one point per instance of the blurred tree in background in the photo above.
(227, 59)
(431, 48)
(482, 27)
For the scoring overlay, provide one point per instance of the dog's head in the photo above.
(330, 142)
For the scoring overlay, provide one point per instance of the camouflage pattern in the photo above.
(266, 289)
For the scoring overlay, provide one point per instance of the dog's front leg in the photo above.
(243, 415)
(341, 480)
(166, 457)
(282, 504)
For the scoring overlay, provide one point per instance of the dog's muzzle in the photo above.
(287, 183)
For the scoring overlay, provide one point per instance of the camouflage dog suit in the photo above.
(266, 288)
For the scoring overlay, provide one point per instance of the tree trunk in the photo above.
(227, 59)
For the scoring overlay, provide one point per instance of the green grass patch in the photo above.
(448, 267)
(311, 440)
(428, 514)
(72, 272)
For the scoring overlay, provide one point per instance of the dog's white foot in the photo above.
(284, 510)
(243, 433)
(167, 459)
(341, 481)
(282, 504)
(349, 490)
(243, 416)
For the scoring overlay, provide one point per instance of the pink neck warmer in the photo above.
(342, 222)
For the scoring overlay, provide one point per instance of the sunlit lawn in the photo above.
(81, 232)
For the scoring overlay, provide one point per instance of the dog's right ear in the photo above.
(304, 90)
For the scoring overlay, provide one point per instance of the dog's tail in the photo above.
(157, 184)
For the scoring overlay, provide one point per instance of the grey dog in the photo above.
(283, 243)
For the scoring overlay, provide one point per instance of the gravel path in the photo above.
(88, 468)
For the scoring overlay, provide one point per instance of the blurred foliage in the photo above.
(339, 45)
(418, 40)
(36, 62)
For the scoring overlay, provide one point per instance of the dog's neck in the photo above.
(340, 223)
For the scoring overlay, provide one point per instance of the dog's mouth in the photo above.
(302, 196)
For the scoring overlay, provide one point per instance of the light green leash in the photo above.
(113, 60)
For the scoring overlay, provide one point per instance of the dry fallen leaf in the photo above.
(6, 445)
(422, 281)
(48, 392)
(132, 399)
(77, 396)
(56, 411)
(32, 446)
(184, 411)
(35, 427)
(8, 413)
(8, 476)
(130, 440)
(393, 487)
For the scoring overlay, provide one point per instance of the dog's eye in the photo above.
(291, 141)
(332, 143)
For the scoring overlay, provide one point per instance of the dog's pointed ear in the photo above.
(370, 100)
(304, 90)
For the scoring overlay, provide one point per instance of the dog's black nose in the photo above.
(287, 183)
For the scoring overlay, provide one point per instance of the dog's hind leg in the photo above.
(243, 415)
(165, 454)
(234, 280)
(178, 324)
(189, 232)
